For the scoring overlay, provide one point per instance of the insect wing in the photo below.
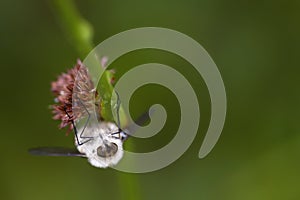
(85, 96)
(55, 151)
(141, 120)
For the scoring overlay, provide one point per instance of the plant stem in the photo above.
(77, 29)
(130, 186)
(80, 34)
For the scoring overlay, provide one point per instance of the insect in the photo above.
(103, 147)
(101, 142)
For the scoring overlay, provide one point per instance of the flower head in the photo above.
(74, 94)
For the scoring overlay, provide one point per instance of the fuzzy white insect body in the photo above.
(103, 149)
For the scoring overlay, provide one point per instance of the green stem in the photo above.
(130, 186)
(80, 34)
(77, 29)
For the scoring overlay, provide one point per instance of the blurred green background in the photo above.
(255, 45)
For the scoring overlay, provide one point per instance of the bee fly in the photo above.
(103, 147)
(101, 142)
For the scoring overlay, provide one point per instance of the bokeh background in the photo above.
(255, 45)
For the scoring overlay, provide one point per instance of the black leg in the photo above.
(75, 129)
(118, 117)
(118, 112)
(85, 125)
(120, 133)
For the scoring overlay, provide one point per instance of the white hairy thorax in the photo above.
(104, 149)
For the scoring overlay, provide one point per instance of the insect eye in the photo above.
(107, 150)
